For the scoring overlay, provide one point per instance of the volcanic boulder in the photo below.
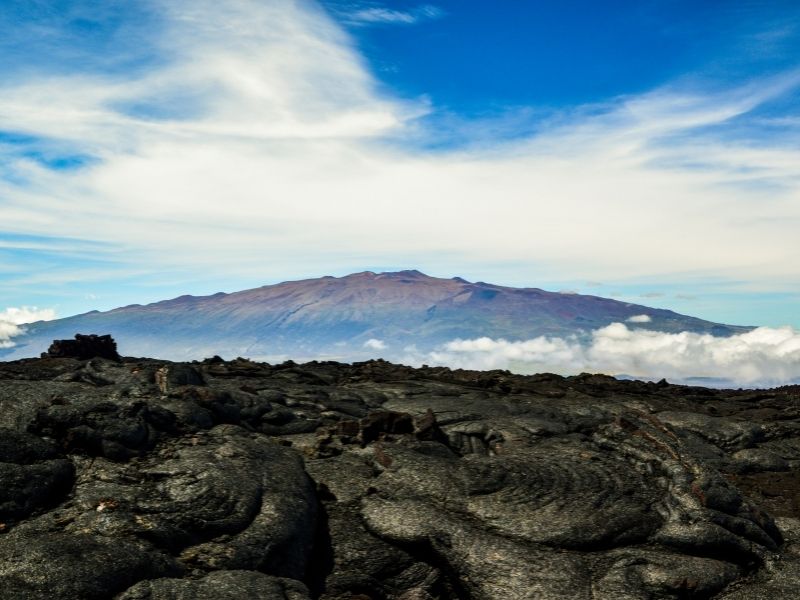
(84, 347)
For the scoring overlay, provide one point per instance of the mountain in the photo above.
(334, 317)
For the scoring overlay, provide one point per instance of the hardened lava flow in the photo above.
(134, 479)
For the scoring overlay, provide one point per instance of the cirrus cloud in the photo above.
(373, 15)
(259, 130)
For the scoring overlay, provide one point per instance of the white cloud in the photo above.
(639, 319)
(27, 314)
(375, 344)
(762, 357)
(547, 354)
(379, 14)
(12, 319)
(280, 144)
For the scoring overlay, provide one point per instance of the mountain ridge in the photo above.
(334, 317)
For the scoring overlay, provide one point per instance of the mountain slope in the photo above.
(333, 317)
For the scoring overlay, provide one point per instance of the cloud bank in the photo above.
(12, 319)
(762, 357)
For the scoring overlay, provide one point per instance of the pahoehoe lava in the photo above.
(134, 479)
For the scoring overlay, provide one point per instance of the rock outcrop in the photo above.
(138, 479)
(84, 347)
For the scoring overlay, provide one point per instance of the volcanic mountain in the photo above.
(336, 317)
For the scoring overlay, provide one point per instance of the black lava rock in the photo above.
(136, 479)
(84, 347)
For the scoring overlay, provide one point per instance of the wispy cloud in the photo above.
(259, 131)
(373, 15)
(12, 319)
(761, 357)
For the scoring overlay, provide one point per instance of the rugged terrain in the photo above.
(333, 318)
(143, 479)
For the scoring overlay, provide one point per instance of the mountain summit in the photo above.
(350, 318)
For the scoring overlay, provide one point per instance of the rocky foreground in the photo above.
(139, 479)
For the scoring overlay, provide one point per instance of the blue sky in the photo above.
(644, 150)
(474, 56)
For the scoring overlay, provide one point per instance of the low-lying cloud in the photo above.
(12, 319)
(640, 319)
(762, 357)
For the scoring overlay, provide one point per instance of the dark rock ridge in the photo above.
(144, 479)
(333, 318)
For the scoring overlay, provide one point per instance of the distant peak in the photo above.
(405, 273)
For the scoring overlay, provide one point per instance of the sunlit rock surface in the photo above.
(142, 479)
